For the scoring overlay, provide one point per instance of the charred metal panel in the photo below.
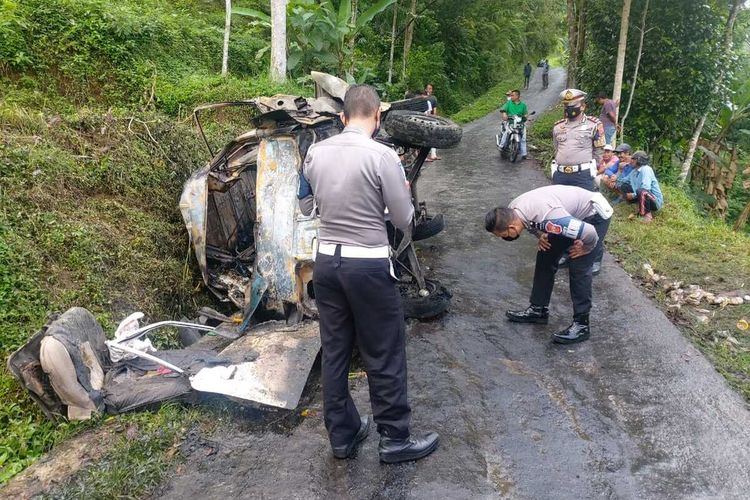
(277, 211)
(193, 206)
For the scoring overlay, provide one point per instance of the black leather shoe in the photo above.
(532, 314)
(405, 450)
(347, 451)
(578, 331)
(596, 268)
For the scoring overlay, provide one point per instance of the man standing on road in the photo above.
(353, 180)
(509, 110)
(545, 74)
(526, 75)
(565, 219)
(608, 116)
(578, 142)
(433, 111)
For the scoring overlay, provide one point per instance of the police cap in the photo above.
(572, 97)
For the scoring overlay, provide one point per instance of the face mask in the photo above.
(572, 111)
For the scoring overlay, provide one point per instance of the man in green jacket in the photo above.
(514, 107)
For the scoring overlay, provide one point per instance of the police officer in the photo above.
(565, 219)
(353, 180)
(578, 142)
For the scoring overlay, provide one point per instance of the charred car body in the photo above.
(254, 249)
(253, 245)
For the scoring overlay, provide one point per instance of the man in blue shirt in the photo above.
(617, 177)
(645, 188)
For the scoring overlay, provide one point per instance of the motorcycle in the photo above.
(515, 127)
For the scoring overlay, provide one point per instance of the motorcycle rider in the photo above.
(512, 108)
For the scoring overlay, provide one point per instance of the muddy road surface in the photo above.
(635, 412)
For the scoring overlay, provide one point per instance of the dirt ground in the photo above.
(636, 412)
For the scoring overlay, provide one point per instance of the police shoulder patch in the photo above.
(593, 119)
(558, 122)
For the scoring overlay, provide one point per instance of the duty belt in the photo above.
(355, 252)
(573, 169)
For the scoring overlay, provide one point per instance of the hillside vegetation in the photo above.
(94, 149)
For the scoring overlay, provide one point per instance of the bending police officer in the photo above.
(565, 219)
(352, 180)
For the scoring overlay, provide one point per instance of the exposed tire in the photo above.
(514, 147)
(418, 307)
(420, 130)
(428, 227)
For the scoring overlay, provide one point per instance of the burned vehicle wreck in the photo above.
(253, 245)
(254, 249)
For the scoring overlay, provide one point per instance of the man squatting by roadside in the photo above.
(352, 180)
(565, 219)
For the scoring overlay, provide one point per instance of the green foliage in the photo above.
(490, 101)
(114, 53)
(320, 36)
(679, 68)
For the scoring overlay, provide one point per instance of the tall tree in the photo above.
(576, 20)
(409, 35)
(393, 43)
(621, 49)
(227, 29)
(278, 40)
(635, 71)
(693, 144)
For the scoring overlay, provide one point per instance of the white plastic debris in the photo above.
(126, 327)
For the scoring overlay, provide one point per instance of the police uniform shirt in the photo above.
(352, 180)
(558, 210)
(578, 141)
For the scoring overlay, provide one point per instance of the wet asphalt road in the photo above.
(636, 412)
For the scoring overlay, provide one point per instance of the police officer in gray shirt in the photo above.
(352, 180)
(565, 219)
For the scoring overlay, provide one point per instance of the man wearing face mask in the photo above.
(578, 142)
(565, 219)
(352, 180)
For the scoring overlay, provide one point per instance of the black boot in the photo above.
(532, 314)
(578, 331)
(404, 450)
(348, 450)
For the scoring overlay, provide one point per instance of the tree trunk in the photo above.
(685, 170)
(353, 39)
(581, 31)
(635, 72)
(227, 29)
(621, 49)
(742, 219)
(408, 37)
(393, 42)
(572, 43)
(278, 40)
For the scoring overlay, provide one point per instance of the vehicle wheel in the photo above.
(418, 307)
(420, 130)
(428, 227)
(514, 146)
(504, 153)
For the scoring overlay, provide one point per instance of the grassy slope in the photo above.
(93, 155)
(488, 102)
(685, 246)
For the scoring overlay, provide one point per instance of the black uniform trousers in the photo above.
(579, 270)
(581, 179)
(358, 302)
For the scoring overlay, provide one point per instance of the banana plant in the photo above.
(320, 36)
